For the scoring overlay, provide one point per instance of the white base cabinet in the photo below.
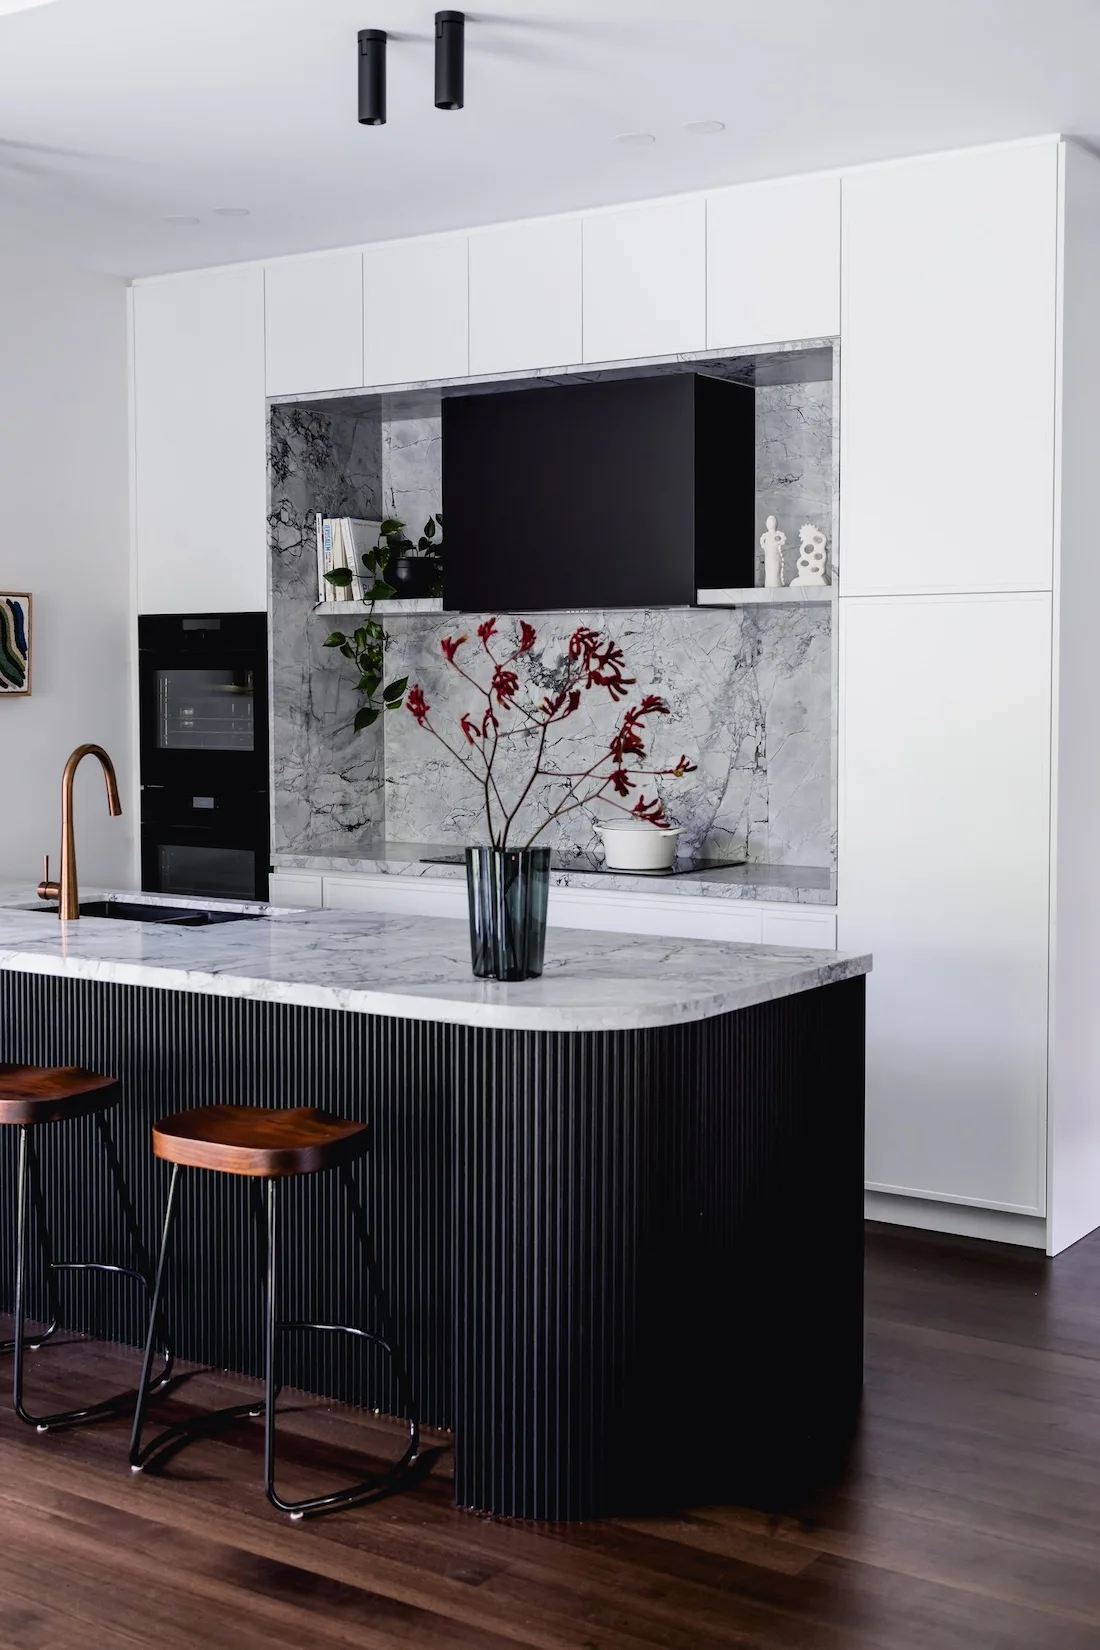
(684, 917)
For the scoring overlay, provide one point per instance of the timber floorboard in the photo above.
(968, 1514)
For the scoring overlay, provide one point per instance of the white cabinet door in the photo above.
(314, 323)
(525, 296)
(645, 280)
(200, 442)
(944, 865)
(773, 262)
(416, 310)
(948, 373)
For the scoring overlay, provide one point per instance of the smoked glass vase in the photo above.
(507, 889)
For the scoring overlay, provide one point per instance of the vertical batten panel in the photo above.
(576, 1230)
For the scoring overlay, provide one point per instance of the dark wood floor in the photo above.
(969, 1516)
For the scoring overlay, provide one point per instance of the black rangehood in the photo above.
(631, 493)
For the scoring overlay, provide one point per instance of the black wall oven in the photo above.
(204, 754)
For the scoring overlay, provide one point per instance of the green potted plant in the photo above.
(413, 569)
(397, 568)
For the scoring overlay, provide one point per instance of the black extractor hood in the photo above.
(634, 492)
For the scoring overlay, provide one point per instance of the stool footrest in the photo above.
(173, 1438)
(28, 1192)
(176, 1436)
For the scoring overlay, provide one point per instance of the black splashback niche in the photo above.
(633, 493)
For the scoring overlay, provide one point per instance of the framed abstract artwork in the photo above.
(15, 644)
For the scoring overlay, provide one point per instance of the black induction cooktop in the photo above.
(588, 864)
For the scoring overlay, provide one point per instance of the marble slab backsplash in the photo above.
(750, 695)
(325, 776)
(751, 689)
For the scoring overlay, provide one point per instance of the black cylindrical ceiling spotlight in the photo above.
(372, 77)
(450, 52)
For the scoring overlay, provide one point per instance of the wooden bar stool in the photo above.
(30, 1098)
(270, 1145)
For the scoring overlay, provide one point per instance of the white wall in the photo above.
(66, 539)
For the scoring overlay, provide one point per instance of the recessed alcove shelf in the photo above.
(406, 604)
(751, 671)
(759, 597)
(756, 597)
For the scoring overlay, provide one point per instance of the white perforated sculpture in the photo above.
(811, 556)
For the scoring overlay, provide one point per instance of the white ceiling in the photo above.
(115, 114)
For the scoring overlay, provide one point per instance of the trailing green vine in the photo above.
(365, 647)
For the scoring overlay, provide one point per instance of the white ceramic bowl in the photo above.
(635, 845)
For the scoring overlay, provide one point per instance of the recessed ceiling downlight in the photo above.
(704, 128)
(635, 140)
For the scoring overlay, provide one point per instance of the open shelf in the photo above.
(399, 604)
(758, 597)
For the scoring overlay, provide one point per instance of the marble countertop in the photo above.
(784, 884)
(415, 967)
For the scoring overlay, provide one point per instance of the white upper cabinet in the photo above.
(525, 296)
(200, 442)
(314, 323)
(944, 872)
(773, 262)
(645, 280)
(416, 322)
(948, 373)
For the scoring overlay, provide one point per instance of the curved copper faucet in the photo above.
(66, 891)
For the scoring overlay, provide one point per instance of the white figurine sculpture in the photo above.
(772, 543)
(811, 556)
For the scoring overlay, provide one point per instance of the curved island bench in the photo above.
(619, 1210)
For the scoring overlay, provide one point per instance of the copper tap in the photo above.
(66, 891)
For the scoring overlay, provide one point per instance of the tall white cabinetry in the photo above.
(199, 442)
(773, 262)
(957, 781)
(314, 323)
(645, 280)
(948, 340)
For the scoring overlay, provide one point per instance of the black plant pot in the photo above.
(412, 575)
(508, 889)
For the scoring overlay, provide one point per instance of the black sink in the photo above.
(173, 916)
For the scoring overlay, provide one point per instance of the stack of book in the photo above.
(341, 542)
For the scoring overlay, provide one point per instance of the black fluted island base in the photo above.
(626, 1266)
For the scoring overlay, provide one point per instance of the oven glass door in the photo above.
(204, 720)
(206, 708)
(215, 872)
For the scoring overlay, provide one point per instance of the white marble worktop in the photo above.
(757, 880)
(416, 967)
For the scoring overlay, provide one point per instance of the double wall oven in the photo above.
(204, 754)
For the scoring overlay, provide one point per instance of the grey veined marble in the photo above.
(750, 698)
(324, 775)
(419, 968)
(750, 689)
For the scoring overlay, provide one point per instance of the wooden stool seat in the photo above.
(51, 1094)
(259, 1140)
